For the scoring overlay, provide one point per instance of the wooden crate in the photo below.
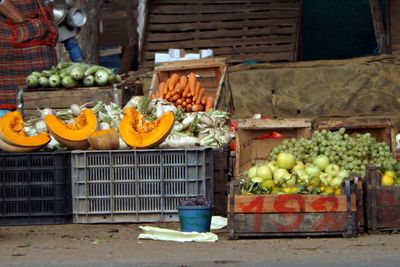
(58, 98)
(221, 179)
(250, 149)
(291, 215)
(382, 203)
(212, 73)
(379, 127)
(262, 30)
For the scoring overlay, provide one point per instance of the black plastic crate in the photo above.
(35, 188)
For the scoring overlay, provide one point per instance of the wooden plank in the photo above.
(221, 17)
(291, 203)
(161, 2)
(379, 28)
(212, 25)
(275, 123)
(64, 98)
(158, 37)
(394, 11)
(214, 8)
(282, 223)
(221, 42)
(191, 64)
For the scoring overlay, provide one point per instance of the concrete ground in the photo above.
(118, 245)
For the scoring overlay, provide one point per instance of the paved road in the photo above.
(118, 246)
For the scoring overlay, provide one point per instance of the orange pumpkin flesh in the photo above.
(12, 132)
(137, 133)
(74, 135)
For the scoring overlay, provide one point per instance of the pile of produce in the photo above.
(317, 165)
(186, 92)
(143, 123)
(71, 75)
(391, 176)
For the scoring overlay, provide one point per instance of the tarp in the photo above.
(360, 86)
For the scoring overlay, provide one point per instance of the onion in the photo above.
(47, 111)
(41, 127)
(122, 144)
(75, 110)
(104, 126)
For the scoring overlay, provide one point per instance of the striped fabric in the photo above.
(24, 48)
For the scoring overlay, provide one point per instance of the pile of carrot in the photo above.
(185, 92)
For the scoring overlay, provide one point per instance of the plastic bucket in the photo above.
(195, 219)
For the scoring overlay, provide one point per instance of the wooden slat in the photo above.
(158, 37)
(266, 223)
(212, 25)
(291, 203)
(238, 30)
(221, 17)
(272, 124)
(394, 8)
(233, 8)
(65, 98)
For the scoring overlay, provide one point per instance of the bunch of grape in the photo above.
(349, 152)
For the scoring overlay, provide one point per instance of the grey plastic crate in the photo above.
(138, 185)
(35, 188)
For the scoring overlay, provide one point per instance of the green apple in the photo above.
(332, 169)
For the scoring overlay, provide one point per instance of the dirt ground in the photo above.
(83, 243)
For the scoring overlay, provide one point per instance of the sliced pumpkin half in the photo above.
(137, 133)
(12, 132)
(72, 135)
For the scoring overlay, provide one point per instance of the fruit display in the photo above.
(185, 92)
(391, 176)
(71, 75)
(317, 165)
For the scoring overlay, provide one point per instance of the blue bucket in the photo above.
(195, 218)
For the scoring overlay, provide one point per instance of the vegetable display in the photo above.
(74, 134)
(72, 75)
(137, 133)
(13, 137)
(185, 92)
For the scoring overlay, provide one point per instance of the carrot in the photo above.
(197, 107)
(166, 86)
(188, 100)
(168, 96)
(196, 91)
(175, 97)
(178, 88)
(183, 81)
(200, 95)
(174, 79)
(204, 100)
(184, 104)
(179, 106)
(152, 95)
(209, 103)
(189, 107)
(186, 91)
(161, 90)
(192, 82)
(189, 95)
